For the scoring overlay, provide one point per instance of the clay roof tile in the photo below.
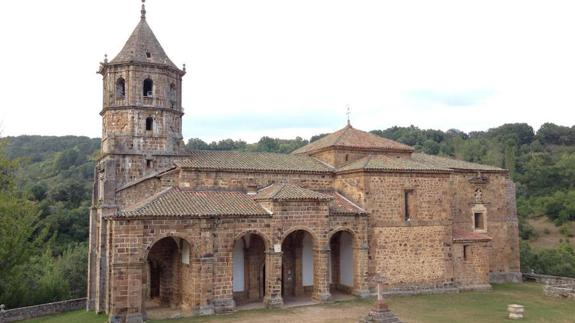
(350, 137)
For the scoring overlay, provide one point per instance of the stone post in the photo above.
(321, 275)
(298, 271)
(380, 313)
(205, 285)
(126, 296)
(515, 311)
(360, 255)
(273, 284)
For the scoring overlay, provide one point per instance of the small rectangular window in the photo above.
(149, 123)
(465, 252)
(406, 207)
(478, 221)
(148, 163)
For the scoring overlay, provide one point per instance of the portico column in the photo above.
(360, 263)
(321, 275)
(126, 296)
(273, 284)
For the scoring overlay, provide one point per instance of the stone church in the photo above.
(210, 231)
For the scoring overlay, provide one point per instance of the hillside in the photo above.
(49, 180)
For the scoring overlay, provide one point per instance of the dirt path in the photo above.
(336, 313)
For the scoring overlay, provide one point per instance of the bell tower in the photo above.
(142, 106)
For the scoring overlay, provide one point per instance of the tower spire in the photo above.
(143, 11)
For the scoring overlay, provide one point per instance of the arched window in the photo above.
(120, 88)
(172, 95)
(149, 123)
(148, 88)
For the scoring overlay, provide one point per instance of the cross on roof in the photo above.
(348, 113)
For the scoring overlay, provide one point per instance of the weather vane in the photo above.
(348, 113)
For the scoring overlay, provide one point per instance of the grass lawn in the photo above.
(488, 306)
(72, 317)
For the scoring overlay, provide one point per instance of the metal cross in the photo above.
(348, 113)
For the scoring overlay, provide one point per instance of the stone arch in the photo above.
(148, 246)
(148, 88)
(293, 229)
(248, 267)
(149, 123)
(120, 88)
(263, 236)
(299, 267)
(343, 245)
(166, 272)
(351, 231)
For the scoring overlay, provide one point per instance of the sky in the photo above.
(290, 68)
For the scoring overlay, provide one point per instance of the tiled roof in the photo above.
(451, 163)
(177, 202)
(386, 163)
(354, 138)
(284, 192)
(341, 205)
(141, 42)
(233, 160)
(461, 235)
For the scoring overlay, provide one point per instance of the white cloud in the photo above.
(310, 58)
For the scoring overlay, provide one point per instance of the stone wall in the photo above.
(342, 156)
(230, 180)
(561, 291)
(415, 253)
(555, 286)
(498, 198)
(26, 313)
(548, 279)
(124, 116)
(471, 265)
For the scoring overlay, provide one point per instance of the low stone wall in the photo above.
(548, 279)
(24, 313)
(562, 291)
(555, 286)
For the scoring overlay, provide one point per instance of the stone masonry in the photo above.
(204, 232)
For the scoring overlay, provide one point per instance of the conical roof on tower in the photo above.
(143, 47)
(349, 137)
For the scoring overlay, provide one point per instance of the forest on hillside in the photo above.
(46, 182)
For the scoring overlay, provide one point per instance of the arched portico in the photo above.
(341, 269)
(348, 257)
(298, 262)
(249, 268)
(167, 277)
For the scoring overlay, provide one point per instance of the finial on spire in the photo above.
(184, 67)
(105, 58)
(348, 112)
(143, 11)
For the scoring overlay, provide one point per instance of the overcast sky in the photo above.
(289, 68)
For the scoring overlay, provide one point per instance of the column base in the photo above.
(226, 305)
(505, 277)
(207, 310)
(322, 297)
(131, 318)
(362, 293)
(272, 302)
(380, 314)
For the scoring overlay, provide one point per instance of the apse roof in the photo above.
(350, 137)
